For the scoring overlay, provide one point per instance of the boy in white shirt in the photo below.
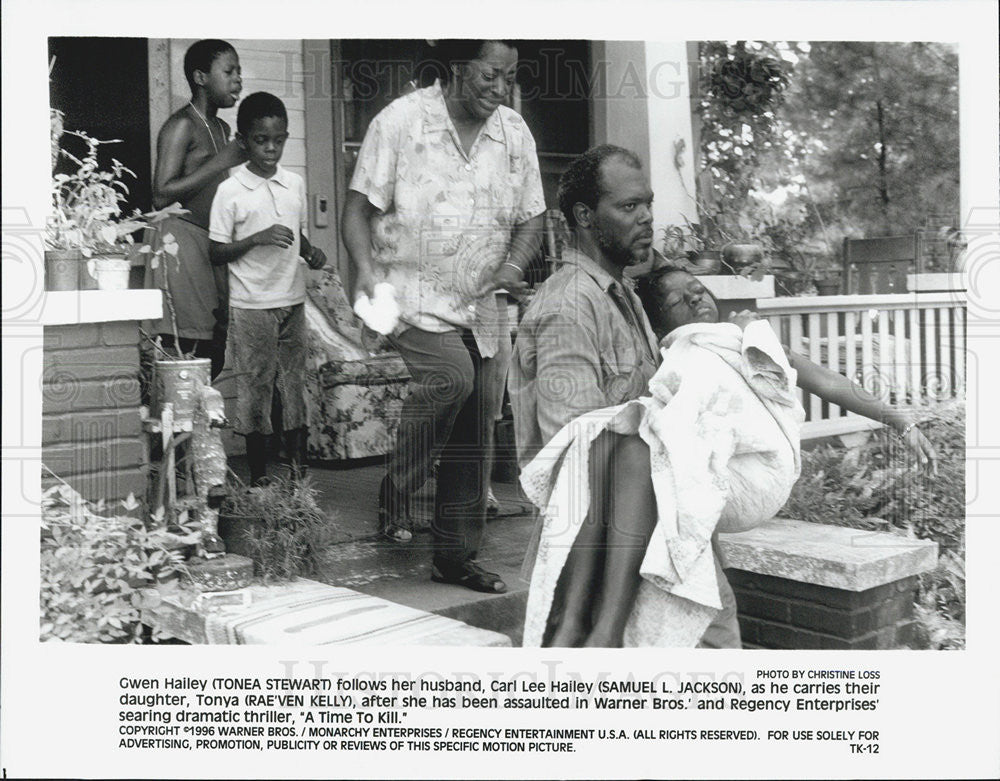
(257, 227)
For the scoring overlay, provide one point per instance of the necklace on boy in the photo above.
(211, 136)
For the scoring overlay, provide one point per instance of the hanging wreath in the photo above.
(745, 82)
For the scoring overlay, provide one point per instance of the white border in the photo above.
(941, 711)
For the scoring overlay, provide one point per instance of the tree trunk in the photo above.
(883, 148)
(883, 155)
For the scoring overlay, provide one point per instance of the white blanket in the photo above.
(722, 424)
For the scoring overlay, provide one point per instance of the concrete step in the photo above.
(309, 613)
(400, 573)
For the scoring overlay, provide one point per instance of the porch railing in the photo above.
(906, 348)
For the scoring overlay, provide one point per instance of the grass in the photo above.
(293, 533)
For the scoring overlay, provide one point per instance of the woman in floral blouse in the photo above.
(446, 205)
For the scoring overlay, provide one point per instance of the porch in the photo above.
(909, 347)
(797, 585)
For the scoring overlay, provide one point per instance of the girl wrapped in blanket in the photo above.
(715, 447)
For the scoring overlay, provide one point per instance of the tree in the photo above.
(872, 130)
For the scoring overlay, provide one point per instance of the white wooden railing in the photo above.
(908, 348)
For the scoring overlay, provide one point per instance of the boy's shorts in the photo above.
(266, 351)
(192, 280)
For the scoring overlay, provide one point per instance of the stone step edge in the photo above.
(184, 616)
(825, 555)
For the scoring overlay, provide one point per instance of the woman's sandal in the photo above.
(396, 533)
(391, 510)
(492, 505)
(470, 575)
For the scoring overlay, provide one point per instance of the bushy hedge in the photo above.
(877, 487)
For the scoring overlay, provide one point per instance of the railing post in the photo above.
(851, 342)
(916, 391)
(899, 355)
(930, 364)
(944, 352)
(833, 354)
(867, 363)
(959, 351)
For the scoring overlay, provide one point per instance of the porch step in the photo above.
(304, 611)
(402, 574)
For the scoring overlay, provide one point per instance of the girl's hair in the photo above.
(649, 288)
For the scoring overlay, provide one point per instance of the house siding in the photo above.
(268, 66)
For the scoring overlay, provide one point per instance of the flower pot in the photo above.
(62, 269)
(237, 532)
(178, 382)
(702, 262)
(740, 256)
(87, 279)
(110, 271)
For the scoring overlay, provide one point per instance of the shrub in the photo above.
(940, 605)
(877, 487)
(99, 572)
(293, 532)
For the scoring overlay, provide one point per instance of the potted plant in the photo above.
(87, 225)
(177, 376)
(62, 243)
(743, 257)
(813, 274)
(747, 252)
(280, 527)
(684, 246)
(828, 283)
(741, 86)
(739, 234)
(743, 241)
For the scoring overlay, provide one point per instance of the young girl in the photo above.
(599, 582)
(673, 297)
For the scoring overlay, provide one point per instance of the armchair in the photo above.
(355, 382)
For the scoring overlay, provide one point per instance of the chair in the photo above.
(880, 265)
(548, 258)
(355, 383)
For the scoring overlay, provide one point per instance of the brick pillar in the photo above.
(91, 428)
(782, 613)
(809, 586)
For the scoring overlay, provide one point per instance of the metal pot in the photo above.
(179, 383)
(703, 262)
(739, 256)
(62, 269)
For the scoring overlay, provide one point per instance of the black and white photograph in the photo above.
(416, 400)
